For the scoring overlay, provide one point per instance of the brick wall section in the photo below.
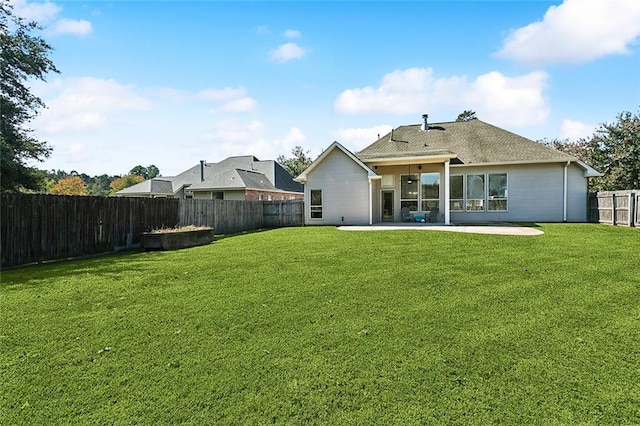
(254, 195)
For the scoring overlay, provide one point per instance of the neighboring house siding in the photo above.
(345, 191)
(202, 195)
(535, 193)
(234, 195)
(254, 195)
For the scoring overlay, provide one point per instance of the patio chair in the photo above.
(406, 216)
(433, 215)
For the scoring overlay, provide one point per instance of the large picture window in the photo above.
(478, 192)
(316, 204)
(409, 192)
(475, 192)
(497, 192)
(456, 193)
(430, 191)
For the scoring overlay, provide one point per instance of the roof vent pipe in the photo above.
(202, 163)
(425, 125)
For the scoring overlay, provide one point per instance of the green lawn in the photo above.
(315, 325)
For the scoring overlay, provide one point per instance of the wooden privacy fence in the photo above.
(615, 207)
(37, 228)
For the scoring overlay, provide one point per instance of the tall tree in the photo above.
(152, 171)
(614, 150)
(146, 172)
(467, 115)
(23, 56)
(296, 164)
(70, 185)
(124, 182)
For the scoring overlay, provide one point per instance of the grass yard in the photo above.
(315, 325)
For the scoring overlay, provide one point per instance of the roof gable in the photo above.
(335, 145)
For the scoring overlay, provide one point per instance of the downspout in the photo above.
(564, 190)
(447, 213)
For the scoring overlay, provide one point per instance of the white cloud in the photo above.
(224, 94)
(234, 99)
(85, 104)
(294, 137)
(400, 92)
(576, 31)
(229, 137)
(509, 101)
(292, 34)
(262, 29)
(287, 52)
(47, 14)
(357, 138)
(39, 12)
(239, 106)
(573, 130)
(71, 26)
(502, 100)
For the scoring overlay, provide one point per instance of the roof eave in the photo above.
(396, 161)
(513, 163)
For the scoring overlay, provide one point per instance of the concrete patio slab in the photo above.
(495, 229)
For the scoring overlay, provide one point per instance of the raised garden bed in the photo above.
(176, 238)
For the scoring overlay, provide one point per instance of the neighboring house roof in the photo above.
(470, 142)
(335, 145)
(235, 179)
(205, 177)
(155, 186)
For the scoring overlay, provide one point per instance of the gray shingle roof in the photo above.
(472, 142)
(218, 176)
(235, 179)
(155, 186)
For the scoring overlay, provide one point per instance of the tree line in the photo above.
(59, 182)
(613, 150)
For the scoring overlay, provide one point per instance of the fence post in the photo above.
(632, 209)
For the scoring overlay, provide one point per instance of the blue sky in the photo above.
(172, 83)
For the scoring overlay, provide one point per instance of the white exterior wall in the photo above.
(345, 191)
(535, 193)
(577, 200)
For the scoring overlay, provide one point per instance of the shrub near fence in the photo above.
(615, 207)
(37, 228)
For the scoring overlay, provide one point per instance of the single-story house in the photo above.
(453, 172)
(234, 178)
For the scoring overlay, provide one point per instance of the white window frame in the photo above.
(423, 199)
(403, 201)
(315, 208)
(481, 202)
(504, 197)
(487, 197)
(461, 201)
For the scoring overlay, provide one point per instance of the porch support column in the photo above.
(447, 215)
(370, 202)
